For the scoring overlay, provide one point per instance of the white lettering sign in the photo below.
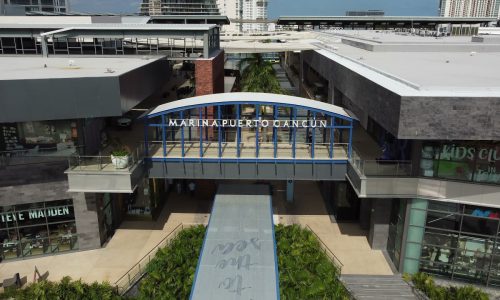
(461, 153)
(34, 214)
(247, 123)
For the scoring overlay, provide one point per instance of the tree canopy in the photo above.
(258, 75)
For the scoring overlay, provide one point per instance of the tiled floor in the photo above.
(135, 239)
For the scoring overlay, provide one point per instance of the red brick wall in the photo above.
(209, 79)
(209, 75)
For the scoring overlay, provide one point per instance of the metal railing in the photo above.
(137, 271)
(377, 167)
(334, 259)
(228, 149)
(107, 162)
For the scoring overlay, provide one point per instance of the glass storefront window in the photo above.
(443, 220)
(461, 242)
(461, 160)
(37, 228)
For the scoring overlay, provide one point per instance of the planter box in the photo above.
(120, 162)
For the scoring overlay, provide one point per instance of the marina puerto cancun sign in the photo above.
(247, 123)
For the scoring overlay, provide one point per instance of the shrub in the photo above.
(66, 289)
(170, 274)
(305, 271)
(426, 284)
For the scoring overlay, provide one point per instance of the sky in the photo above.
(288, 7)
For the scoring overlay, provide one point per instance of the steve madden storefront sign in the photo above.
(35, 214)
(247, 123)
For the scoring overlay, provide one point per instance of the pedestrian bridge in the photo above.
(248, 128)
(233, 136)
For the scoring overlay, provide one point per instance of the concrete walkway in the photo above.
(347, 241)
(135, 239)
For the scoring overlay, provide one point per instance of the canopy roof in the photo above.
(249, 98)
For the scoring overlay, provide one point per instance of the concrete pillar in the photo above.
(417, 216)
(87, 223)
(379, 223)
(289, 190)
(45, 48)
(365, 207)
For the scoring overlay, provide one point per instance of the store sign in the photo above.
(461, 153)
(35, 214)
(247, 123)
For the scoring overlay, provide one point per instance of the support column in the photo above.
(379, 223)
(45, 48)
(289, 190)
(415, 235)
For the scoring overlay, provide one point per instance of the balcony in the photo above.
(102, 174)
(395, 179)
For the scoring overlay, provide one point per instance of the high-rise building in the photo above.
(248, 10)
(179, 7)
(53, 6)
(469, 8)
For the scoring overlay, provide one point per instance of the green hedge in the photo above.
(170, 274)
(305, 271)
(426, 284)
(66, 289)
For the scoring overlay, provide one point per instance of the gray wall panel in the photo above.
(75, 98)
(142, 82)
(56, 99)
(264, 171)
(450, 118)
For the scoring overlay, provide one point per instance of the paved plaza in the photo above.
(134, 239)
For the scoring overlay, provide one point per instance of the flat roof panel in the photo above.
(238, 259)
(438, 67)
(27, 67)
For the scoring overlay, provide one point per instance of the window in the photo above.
(37, 228)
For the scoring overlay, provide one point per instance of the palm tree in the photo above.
(258, 75)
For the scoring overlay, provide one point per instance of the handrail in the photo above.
(336, 261)
(101, 161)
(137, 271)
(374, 167)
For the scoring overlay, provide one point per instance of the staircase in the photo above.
(378, 287)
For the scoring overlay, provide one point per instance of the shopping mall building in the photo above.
(401, 133)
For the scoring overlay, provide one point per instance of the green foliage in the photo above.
(426, 284)
(66, 289)
(259, 76)
(171, 272)
(120, 152)
(305, 271)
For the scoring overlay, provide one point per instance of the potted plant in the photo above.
(120, 158)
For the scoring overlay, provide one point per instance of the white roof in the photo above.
(37, 67)
(216, 99)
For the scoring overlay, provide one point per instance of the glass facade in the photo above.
(40, 136)
(37, 228)
(148, 199)
(461, 242)
(466, 161)
(396, 229)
